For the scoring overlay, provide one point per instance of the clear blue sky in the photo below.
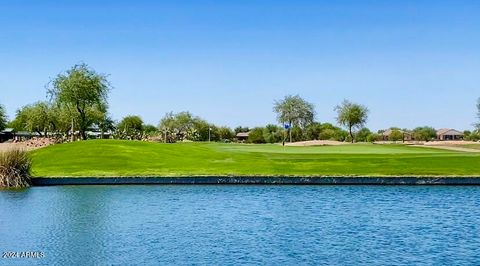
(412, 63)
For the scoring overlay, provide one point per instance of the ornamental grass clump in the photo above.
(15, 169)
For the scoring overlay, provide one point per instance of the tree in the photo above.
(35, 117)
(362, 135)
(150, 130)
(225, 134)
(256, 136)
(272, 134)
(203, 131)
(473, 136)
(106, 124)
(241, 129)
(396, 135)
(312, 132)
(3, 117)
(373, 137)
(81, 90)
(63, 119)
(185, 126)
(424, 133)
(131, 127)
(351, 116)
(294, 111)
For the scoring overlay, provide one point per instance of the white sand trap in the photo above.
(450, 145)
(316, 143)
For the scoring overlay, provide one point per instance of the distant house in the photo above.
(7, 134)
(449, 134)
(25, 135)
(407, 136)
(242, 136)
(99, 134)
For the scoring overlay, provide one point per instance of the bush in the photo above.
(312, 132)
(474, 136)
(256, 136)
(362, 135)
(396, 135)
(225, 134)
(272, 134)
(373, 137)
(15, 169)
(327, 134)
(131, 127)
(297, 134)
(424, 133)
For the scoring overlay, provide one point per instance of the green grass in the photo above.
(134, 158)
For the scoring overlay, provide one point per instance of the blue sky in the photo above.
(412, 63)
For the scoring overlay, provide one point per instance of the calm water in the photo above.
(225, 225)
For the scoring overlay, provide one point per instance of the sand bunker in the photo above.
(316, 143)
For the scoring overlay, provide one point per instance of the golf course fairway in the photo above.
(118, 158)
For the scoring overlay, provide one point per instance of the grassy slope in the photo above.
(130, 158)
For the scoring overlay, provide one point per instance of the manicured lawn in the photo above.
(134, 158)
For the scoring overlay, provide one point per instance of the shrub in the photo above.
(474, 136)
(373, 137)
(225, 134)
(327, 134)
(424, 133)
(341, 135)
(297, 134)
(131, 127)
(256, 136)
(362, 135)
(396, 135)
(15, 169)
(312, 132)
(272, 134)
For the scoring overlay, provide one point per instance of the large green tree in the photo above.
(131, 127)
(180, 126)
(36, 117)
(352, 116)
(225, 134)
(396, 135)
(362, 135)
(83, 91)
(295, 111)
(424, 133)
(3, 117)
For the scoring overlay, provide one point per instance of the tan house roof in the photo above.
(243, 134)
(449, 131)
(388, 132)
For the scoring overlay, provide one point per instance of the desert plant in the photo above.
(15, 169)
(351, 116)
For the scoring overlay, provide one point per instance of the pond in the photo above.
(157, 225)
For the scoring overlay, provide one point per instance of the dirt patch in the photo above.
(27, 145)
